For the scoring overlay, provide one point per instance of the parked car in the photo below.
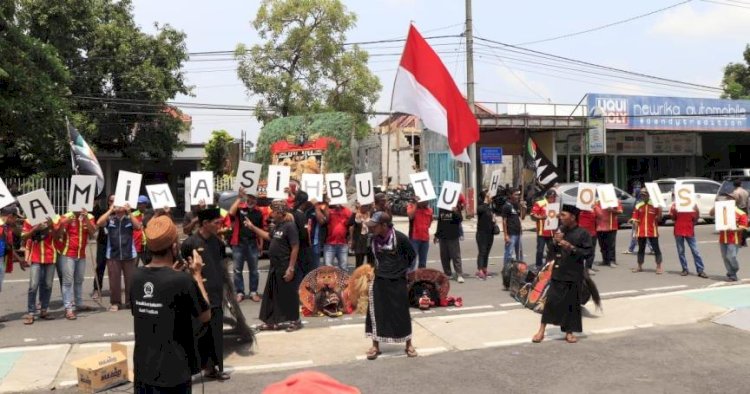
(569, 194)
(720, 175)
(705, 193)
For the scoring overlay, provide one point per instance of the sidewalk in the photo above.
(501, 324)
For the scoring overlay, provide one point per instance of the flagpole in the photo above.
(472, 181)
(70, 141)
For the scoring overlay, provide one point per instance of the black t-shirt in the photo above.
(101, 236)
(300, 220)
(512, 218)
(255, 216)
(164, 303)
(283, 237)
(448, 225)
(484, 219)
(213, 266)
(394, 262)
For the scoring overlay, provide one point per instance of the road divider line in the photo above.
(616, 293)
(345, 326)
(31, 348)
(509, 304)
(666, 288)
(468, 308)
(261, 367)
(472, 315)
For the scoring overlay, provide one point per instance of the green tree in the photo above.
(736, 82)
(33, 82)
(303, 66)
(121, 76)
(217, 153)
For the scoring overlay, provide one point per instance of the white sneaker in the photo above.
(460, 279)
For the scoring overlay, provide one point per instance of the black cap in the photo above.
(379, 217)
(570, 209)
(550, 192)
(209, 214)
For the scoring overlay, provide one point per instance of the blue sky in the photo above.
(690, 42)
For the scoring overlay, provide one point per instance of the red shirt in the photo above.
(539, 209)
(606, 219)
(138, 239)
(734, 236)
(77, 235)
(587, 221)
(419, 227)
(684, 222)
(645, 215)
(337, 229)
(41, 252)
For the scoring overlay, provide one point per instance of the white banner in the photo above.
(449, 195)
(684, 197)
(655, 196)
(725, 215)
(551, 223)
(586, 196)
(365, 191)
(248, 176)
(278, 180)
(161, 196)
(495, 182)
(187, 195)
(5, 197)
(37, 206)
(82, 193)
(127, 189)
(422, 185)
(202, 186)
(607, 196)
(312, 184)
(336, 189)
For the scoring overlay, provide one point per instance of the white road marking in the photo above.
(613, 330)
(27, 340)
(420, 351)
(624, 292)
(681, 292)
(261, 367)
(345, 326)
(666, 288)
(509, 342)
(67, 383)
(30, 348)
(104, 344)
(419, 312)
(468, 308)
(509, 304)
(471, 315)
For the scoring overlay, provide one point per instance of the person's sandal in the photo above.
(410, 351)
(28, 319)
(703, 275)
(217, 375)
(294, 326)
(636, 270)
(684, 273)
(44, 315)
(659, 270)
(114, 308)
(537, 338)
(70, 315)
(570, 338)
(268, 327)
(373, 353)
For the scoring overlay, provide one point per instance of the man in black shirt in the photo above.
(165, 300)
(245, 244)
(211, 249)
(304, 259)
(513, 212)
(101, 246)
(448, 233)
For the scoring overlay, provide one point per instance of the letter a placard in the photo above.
(37, 206)
(684, 197)
(449, 195)
(128, 187)
(202, 186)
(586, 196)
(248, 176)
(551, 222)
(82, 193)
(724, 213)
(422, 185)
(365, 192)
(5, 197)
(161, 196)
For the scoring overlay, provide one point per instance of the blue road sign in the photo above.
(491, 155)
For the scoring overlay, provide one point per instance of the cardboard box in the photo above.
(103, 370)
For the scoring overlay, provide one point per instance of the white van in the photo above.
(705, 192)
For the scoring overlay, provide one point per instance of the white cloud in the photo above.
(707, 23)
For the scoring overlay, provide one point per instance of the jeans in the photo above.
(541, 244)
(680, 241)
(421, 248)
(2, 272)
(73, 272)
(654, 242)
(729, 254)
(339, 252)
(40, 278)
(315, 256)
(246, 251)
(484, 245)
(513, 246)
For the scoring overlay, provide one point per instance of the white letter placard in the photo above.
(551, 223)
(248, 176)
(161, 196)
(127, 189)
(187, 195)
(312, 184)
(365, 191)
(495, 182)
(586, 196)
(5, 197)
(37, 206)
(724, 213)
(335, 184)
(684, 197)
(82, 193)
(607, 196)
(449, 195)
(422, 185)
(278, 180)
(654, 194)
(202, 186)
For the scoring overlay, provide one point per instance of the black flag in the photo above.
(84, 160)
(545, 172)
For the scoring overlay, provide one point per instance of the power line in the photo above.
(729, 4)
(602, 27)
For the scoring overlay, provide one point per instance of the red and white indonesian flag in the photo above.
(425, 88)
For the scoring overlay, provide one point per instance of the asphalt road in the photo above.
(477, 294)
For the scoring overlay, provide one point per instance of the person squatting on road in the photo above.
(543, 235)
(730, 240)
(646, 219)
(485, 235)
(280, 306)
(448, 233)
(571, 247)
(212, 251)
(167, 295)
(388, 319)
(121, 254)
(684, 231)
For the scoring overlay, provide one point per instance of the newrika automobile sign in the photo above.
(671, 113)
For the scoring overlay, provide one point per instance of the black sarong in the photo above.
(211, 343)
(563, 306)
(388, 319)
(280, 299)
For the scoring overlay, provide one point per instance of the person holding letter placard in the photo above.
(684, 231)
(420, 219)
(513, 212)
(448, 233)
(730, 240)
(485, 235)
(359, 237)
(79, 227)
(8, 250)
(42, 256)
(543, 235)
(245, 244)
(645, 219)
(121, 254)
(336, 218)
(606, 232)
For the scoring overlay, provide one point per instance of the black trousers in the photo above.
(101, 264)
(542, 243)
(590, 259)
(608, 244)
(484, 245)
(211, 343)
(654, 241)
(359, 258)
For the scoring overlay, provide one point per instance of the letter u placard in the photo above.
(449, 195)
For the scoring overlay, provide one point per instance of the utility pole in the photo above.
(472, 167)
